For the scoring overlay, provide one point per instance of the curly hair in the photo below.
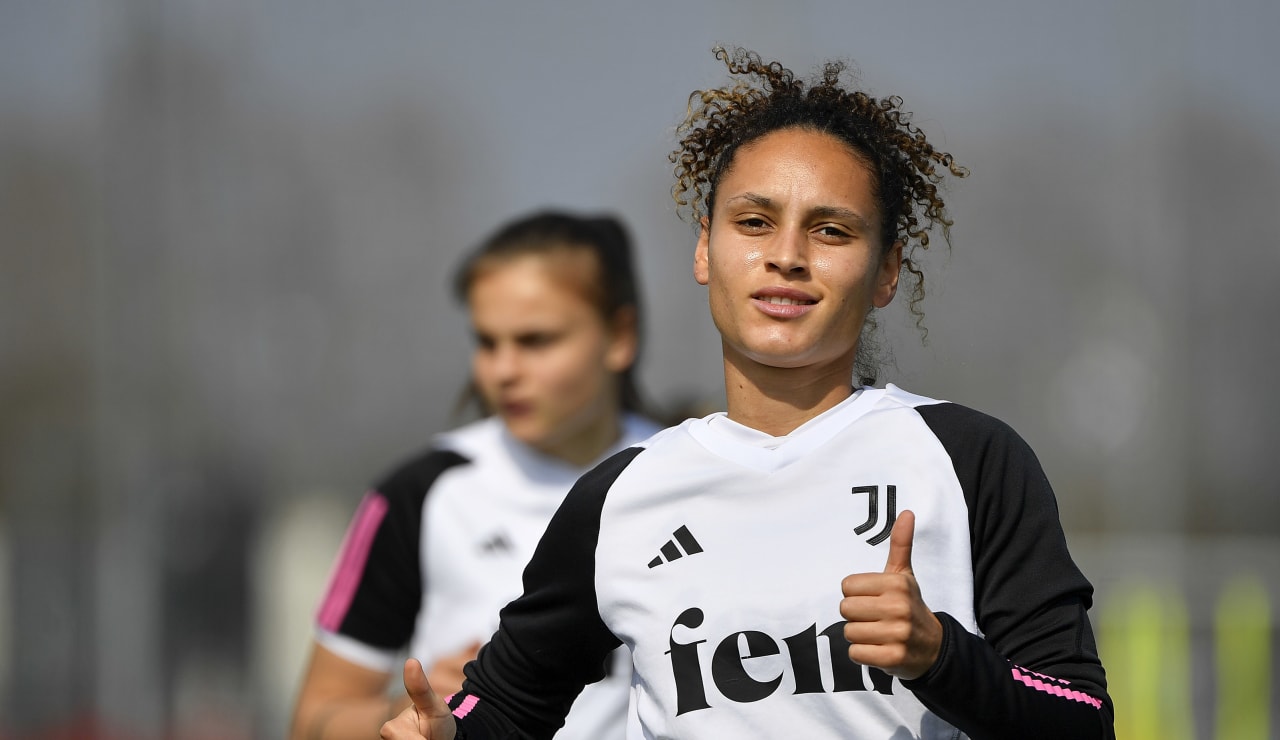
(906, 169)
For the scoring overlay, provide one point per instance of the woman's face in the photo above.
(545, 360)
(792, 258)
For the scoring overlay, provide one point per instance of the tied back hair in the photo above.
(614, 289)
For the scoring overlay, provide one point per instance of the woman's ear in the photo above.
(887, 278)
(624, 340)
(701, 257)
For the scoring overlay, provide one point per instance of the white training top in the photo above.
(437, 549)
(715, 554)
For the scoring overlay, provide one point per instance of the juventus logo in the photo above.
(873, 512)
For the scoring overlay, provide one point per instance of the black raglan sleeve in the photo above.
(1035, 671)
(551, 641)
(377, 587)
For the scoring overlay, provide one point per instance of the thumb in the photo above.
(904, 530)
(419, 690)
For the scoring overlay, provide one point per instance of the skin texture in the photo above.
(447, 671)
(545, 360)
(889, 626)
(794, 217)
(340, 699)
(428, 718)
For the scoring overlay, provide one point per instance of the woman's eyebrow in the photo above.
(833, 212)
(842, 214)
(755, 199)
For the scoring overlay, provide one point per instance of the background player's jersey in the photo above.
(437, 549)
(715, 554)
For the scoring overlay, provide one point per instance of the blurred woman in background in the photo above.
(438, 546)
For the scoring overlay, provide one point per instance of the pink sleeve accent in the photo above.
(466, 706)
(1062, 681)
(1056, 688)
(351, 560)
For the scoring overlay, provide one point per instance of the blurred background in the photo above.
(226, 231)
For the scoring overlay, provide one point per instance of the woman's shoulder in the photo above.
(466, 444)
(966, 433)
(636, 429)
(475, 440)
(940, 413)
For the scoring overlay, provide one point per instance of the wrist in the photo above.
(940, 646)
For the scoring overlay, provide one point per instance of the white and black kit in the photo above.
(436, 549)
(715, 554)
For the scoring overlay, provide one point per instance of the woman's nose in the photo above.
(788, 252)
(505, 361)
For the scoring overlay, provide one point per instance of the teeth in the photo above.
(785, 301)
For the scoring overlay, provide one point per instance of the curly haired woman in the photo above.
(827, 559)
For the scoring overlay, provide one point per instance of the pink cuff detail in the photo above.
(466, 706)
(1057, 689)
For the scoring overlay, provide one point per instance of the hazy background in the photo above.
(226, 230)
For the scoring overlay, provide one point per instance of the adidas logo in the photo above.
(682, 537)
(496, 543)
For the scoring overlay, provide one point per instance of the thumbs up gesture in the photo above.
(428, 718)
(888, 625)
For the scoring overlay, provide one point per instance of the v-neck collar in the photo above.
(756, 450)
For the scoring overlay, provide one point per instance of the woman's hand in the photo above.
(888, 624)
(428, 718)
(446, 673)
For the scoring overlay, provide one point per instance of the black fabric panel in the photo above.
(551, 641)
(1030, 599)
(387, 600)
(973, 688)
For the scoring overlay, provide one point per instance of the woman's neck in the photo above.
(589, 443)
(778, 400)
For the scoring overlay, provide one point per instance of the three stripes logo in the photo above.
(681, 538)
(497, 543)
(873, 512)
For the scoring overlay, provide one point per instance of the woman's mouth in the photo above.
(783, 303)
(515, 409)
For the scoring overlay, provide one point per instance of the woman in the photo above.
(437, 548)
(715, 549)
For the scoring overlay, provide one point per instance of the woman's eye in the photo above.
(534, 341)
